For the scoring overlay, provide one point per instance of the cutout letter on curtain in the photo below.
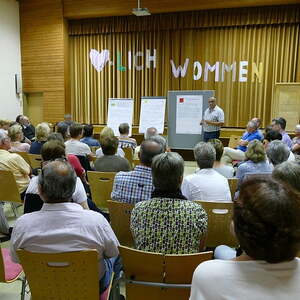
(152, 114)
(119, 111)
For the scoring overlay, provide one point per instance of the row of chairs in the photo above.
(219, 222)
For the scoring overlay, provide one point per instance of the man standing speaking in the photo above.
(212, 121)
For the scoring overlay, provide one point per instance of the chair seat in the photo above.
(104, 295)
(11, 269)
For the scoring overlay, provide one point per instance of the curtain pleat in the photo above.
(272, 39)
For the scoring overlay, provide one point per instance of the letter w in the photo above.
(180, 71)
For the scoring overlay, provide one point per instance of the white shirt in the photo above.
(206, 185)
(215, 115)
(78, 196)
(77, 148)
(246, 280)
(64, 227)
(99, 153)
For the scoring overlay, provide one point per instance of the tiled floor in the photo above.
(12, 291)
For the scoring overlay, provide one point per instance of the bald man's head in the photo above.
(148, 150)
(57, 182)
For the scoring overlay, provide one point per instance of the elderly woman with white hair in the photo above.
(16, 135)
(277, 152)
(296, 140)
(42, 131)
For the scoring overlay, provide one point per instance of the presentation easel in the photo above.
(185, 140)
(120, 110)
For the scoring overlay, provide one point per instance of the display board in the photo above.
(185, 112)
(120, 110)
(152, 113)
(286, 103)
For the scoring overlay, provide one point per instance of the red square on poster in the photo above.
(181, 100)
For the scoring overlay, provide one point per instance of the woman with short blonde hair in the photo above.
(42, 131)
(16, 135)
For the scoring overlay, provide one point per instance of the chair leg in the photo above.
(14, 209)
(23, 288)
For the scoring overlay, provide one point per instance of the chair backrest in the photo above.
(234, 141)
(136, 162)
(35, 160)
(101, 184)
(72, 275)
(233, 185)
(120, 214)
(25, 156)
(141, 265)
(219, 220)
(128, 154)
(186, 263)
(148, 274)
(8, 187)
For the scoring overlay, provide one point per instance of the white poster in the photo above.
(119, 111)
(189, 114)
(152, 114)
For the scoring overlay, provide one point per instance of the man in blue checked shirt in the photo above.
(136, 186)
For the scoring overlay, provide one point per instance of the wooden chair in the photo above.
(128, 154)
(62, 276)
(9, 191)
(234, 141)
(10, 271)
(120, 214)
(219, 222)
(25, 156)
(151, 276)
(233, 185)
(101, 184)
(35, 160)
(136, 162)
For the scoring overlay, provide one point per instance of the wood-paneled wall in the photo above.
(43, 57)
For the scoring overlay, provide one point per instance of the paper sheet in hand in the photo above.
(152, 114)
(119, 111)
(189, 114)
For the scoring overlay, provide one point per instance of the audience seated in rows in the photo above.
(136, 185)
(124, 140)
(251, 134)
(273, 135)
(74, 146)
(18, 166)
(52, 150)
(63, 226)
(266, 221)
(258, 123)
(110, 162)
(27, 127)
(279, 125)
(206, 184)
(16, 135)
(4, 125)
(88, 136)
(168, 223)
(255, 162)
(296, 140)
(225, 170)
(107, 132)
(277, 152)
(42, 131)
(151, 131)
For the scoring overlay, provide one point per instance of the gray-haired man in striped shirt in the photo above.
(212, 121)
